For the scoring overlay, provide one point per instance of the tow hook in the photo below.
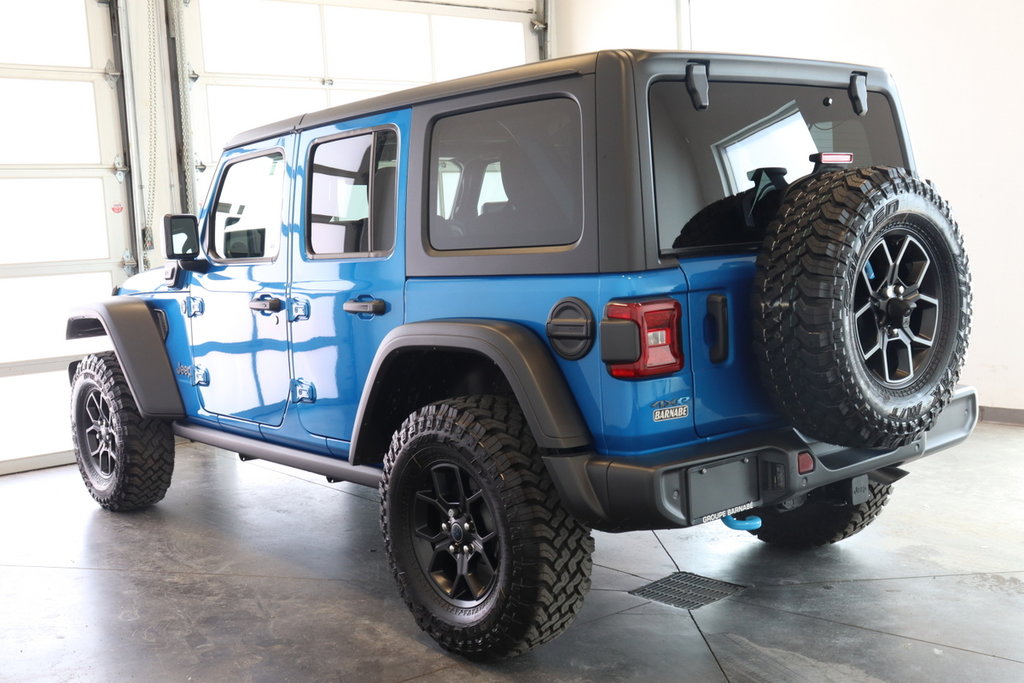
(749, 524)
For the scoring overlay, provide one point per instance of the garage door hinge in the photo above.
(128, 263)
(120, 169)
(110, 74)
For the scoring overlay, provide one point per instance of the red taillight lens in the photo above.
(658, 324)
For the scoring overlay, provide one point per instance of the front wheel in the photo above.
(485, 556)
(126, 460)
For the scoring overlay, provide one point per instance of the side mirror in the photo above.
(181, 237)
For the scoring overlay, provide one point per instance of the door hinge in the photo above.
(298, 310)
(303, 391)
(200, 376)
(192, 307)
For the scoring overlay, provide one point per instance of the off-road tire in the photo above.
(472, 462)
(126, 460)
(818, 523)
(862, 307)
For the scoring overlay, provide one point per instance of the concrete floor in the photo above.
(252, 572)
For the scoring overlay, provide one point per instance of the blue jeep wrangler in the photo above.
(624, 290)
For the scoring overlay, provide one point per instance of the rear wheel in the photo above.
(818, 523)
(125, 459)
(486, 558)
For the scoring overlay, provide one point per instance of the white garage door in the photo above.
(65, 217)
(252, 62)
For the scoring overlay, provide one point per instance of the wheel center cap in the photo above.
(897, 309)
(457, 532)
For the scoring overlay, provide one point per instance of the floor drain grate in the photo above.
(687, 591)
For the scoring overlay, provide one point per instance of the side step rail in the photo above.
(332, 468)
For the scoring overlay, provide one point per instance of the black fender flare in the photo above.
(527, 364)
(139, 347)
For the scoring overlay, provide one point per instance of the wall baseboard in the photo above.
(36, 462)
(1009, 416)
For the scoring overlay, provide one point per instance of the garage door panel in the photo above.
(51, 298)
(53, 219)
(494, 44)
(61, 113)
(52, 33)
(353, 33)
(280, 38)
(32, 429)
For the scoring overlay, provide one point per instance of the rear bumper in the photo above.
(708, 481)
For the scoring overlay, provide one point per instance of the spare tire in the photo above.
(862, 307)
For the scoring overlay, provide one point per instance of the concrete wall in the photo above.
(957, 65)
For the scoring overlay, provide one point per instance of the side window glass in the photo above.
(507, 177)
(247, 218)
(352, 195)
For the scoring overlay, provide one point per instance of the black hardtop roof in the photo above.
(720, 67)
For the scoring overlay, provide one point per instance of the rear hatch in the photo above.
(722, 159)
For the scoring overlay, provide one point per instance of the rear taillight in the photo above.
(658, 330)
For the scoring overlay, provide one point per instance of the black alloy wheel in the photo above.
(456, 542)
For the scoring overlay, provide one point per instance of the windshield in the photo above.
(719, 173)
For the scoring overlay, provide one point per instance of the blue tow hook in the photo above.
(749, 524)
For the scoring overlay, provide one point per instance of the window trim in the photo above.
(308, 195)
(211, 216)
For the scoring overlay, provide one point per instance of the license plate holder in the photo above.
(723, 488)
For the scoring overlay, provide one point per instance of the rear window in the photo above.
(507, 177)
(710, 191)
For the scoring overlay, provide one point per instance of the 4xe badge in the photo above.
(671, 409)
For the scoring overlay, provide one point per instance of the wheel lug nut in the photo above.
(444, 526)
(469, 526)
(451, 549)
(451, 513)
(465, 549)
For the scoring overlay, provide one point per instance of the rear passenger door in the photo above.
(347, 288)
